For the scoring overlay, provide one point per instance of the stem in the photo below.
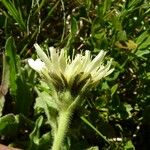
(63, 125)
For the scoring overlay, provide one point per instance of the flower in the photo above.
(74, 74)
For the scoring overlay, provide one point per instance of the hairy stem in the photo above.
(63, 125)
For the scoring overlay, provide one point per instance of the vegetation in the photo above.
(114, 114)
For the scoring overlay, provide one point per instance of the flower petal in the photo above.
(62, 61)
(96, 61)
(42, 55)
(54, 60)
(103, 71)
(72, 69)
(37, 65)
(85, 61)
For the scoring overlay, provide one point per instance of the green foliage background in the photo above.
(118, 108)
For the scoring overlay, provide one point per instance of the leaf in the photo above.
(99, 39)
(118, 27)
(143, 40)
(106, 6)
(93, 148)
(35, 134)
(16, 14)
(99, 35)
(4, 83)
(2, 100)
(90, 125)
(129, 146)
(17, 79)
(45, 141)
(141, 53)
(49, 106)
(142, 37)
(9, 125)
(24, 95)
(121, 35)
(11, 61)
(145, 44)
(5, 76)
(46, 100)
(87, 4)
(74, 26)
(128, 109)
(113, 89)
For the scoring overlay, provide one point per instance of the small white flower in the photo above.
(72, 74)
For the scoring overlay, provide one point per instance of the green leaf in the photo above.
(145, 44)
(148, 75)
(11, 61)
(99, 35)
(106, 6)
(121, 35)
(15, 13)
(74, 26)
(24, 95)
(93, 148)
(87, 4)
(105, 86)
(90, 125)
(142, 37)
(46, 100)
(118, 26)
(113, 89)
(48, 104)
(35, 134)
(2, 101)
(129, 146)
(9, 125)
(128, 109)
(141, 53)
(19, 86)
(45, 141)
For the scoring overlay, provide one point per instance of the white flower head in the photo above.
(72, 74)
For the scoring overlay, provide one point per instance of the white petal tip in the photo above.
(37, 64)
